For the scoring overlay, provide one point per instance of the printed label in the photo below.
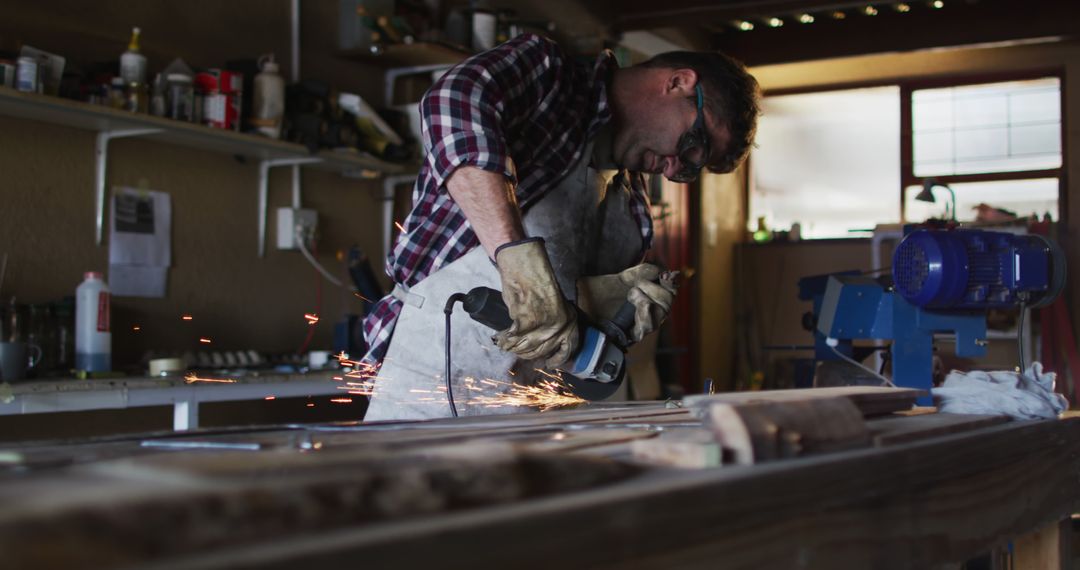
(103, 312)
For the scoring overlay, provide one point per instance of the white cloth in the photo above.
(1028, 396)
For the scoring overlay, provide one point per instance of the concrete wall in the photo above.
(237, 299)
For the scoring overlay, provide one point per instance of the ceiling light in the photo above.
(774, 22)
(870, 11)
(806, 19)
(937, 4)
(744, 25)
(839, 15)
(902, 7)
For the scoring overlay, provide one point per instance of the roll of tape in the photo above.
(166, 366)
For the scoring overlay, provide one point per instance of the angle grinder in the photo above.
(597, 368)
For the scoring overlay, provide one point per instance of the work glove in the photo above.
(545, 323)
(645, 286)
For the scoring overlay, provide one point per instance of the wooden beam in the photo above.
(910, 506)
(756, 432)
(958, 24)
(870, 400)
(644, 14)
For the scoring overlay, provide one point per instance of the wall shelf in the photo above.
(111, 123)
(409, 55)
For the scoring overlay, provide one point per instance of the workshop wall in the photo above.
(237, 300)
(1061, 55)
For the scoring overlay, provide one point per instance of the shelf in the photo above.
(410, 55)
(109, 123)
(76, 114)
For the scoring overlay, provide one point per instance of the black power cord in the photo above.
(448, 310)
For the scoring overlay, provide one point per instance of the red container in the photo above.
(222, 94)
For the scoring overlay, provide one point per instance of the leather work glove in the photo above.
(649, 289)
(545, 323)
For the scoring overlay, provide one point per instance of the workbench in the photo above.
(559, 489)
(71, 395)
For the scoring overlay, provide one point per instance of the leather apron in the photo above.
(588, 230)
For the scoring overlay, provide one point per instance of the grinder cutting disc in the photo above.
(590, 390)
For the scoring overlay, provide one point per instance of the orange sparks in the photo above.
(341, 400)
(204, 340)
(136, 328)
(546, 395)
(270, 398)
(192, 378)
(187, 317)
(312, 318)
(360, 380)
(400, 227)
(361, 297)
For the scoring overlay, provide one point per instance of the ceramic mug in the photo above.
(15, 360)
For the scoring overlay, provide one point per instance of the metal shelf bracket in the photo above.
(264, 178)
(101, 155)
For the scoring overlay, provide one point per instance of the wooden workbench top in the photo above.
(536, 490)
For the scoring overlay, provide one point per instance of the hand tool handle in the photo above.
(485, 305)
(624, 319)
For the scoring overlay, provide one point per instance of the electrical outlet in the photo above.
(288, 219)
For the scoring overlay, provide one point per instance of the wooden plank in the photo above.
(126, 512)
(685, 448)
(891, 430)
(871, 400)
(765, 431)
(914, 505)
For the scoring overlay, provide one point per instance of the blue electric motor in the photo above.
(977, 269)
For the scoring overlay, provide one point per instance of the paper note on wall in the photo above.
(140, 247)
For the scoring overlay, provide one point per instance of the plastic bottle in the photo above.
(269, 98)
(133, 62)
(93, 339)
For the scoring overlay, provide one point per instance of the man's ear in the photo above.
(682, 81)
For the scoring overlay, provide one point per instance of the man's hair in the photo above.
(732, 96)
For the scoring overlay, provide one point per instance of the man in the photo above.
(517, 140)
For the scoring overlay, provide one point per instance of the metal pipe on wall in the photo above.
(294, 73)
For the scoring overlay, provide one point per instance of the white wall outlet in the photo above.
(288, 219)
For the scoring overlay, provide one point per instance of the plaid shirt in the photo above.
(523, 109)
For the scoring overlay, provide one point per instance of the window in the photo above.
(833, 161)
(997, 144)
(996, 127)
(827, 161)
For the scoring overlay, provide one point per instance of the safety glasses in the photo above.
(693, 147)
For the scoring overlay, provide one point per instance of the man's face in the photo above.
(647, 139)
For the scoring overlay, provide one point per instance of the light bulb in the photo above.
(806, 19)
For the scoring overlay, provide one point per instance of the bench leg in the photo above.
(1046, 548)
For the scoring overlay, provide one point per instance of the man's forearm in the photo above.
(488, 201)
